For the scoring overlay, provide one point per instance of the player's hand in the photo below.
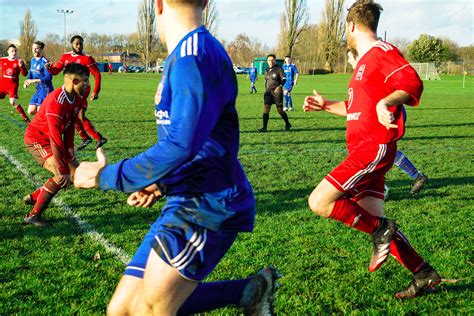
(86, 175)
(278, 89)
(145, 197)
(49, 64)
(64, 180)
(20, 62)
(26, 83)
(93, 96)
(386, 118)
(313, 102)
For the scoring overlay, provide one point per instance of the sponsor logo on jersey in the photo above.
(9, 71)
(162, 117)
(353, 116)
(350, 94)
(360, 72)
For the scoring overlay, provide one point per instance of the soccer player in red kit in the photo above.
(84, 126)
(353, 192)
(9, 82)
(50, 138)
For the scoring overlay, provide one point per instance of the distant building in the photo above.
(119, 57)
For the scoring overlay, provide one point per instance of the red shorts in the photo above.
(362, 173)
(39, 152)
(11, 90)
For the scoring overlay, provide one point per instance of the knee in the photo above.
(32, 111)
(319, 204)
(116, 307)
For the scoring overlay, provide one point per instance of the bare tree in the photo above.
(209, 17)
(28, 31)
(332, 31)
(147, 39)
(53, 46)
(401, 43)
(293, 22)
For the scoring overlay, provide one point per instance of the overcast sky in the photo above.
(259, 19)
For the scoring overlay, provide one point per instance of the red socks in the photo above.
(351, 214)
(22, 113)
(91, 129)
(44, 195)
(401, 249)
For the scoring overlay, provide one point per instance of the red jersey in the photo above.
(11, 70)
(54, 125)
(85, 60)
(381, 71)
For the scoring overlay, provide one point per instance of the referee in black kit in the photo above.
(274, 81)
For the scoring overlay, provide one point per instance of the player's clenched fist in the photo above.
(386, 117)
(145, 198)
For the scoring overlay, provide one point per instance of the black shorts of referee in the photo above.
(272, 97)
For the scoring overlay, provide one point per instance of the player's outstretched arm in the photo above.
(316, 102)
(88, 173)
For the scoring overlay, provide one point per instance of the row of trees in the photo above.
(315, 47)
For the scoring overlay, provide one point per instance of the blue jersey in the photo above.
(290, 72)
(253, 73)
(197, 123)
(38, 71)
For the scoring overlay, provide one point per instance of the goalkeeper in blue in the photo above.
(291, 73)
(194, 165)
(40, 76)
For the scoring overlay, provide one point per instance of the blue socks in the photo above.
(405, 164)
(213, 295)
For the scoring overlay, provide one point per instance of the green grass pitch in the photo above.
(52, 271)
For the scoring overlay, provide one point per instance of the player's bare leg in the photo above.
(32, 109)
(164, 289)
(125, 296)
(19, 108)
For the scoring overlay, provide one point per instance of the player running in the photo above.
(12, 66)
(352, 193)
(253, 77)
(84, 126)
(50, 138)
(401, 161)
(40, 76)
(291, 73)
(194, 164)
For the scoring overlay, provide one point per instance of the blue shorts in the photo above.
(38, 97)
(190, 243)
(287, 88)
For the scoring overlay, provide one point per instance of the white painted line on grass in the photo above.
(84, 226)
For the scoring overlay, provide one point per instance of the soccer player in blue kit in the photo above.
(253, 77)
(291, 73)
(194, 164)
(39, 75)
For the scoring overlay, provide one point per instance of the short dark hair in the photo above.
(287, 56)
(199, 3)
(76, 69)
(271, 55)
(11, 45)
(77, 37)
(40, 43)
(365, 13)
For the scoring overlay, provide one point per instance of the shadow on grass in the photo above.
(281, 201)
(397, 194)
